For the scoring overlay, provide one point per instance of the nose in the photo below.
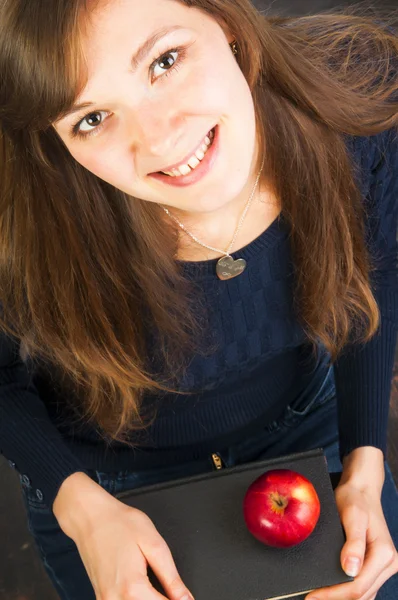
(158, 134)
(160, 137)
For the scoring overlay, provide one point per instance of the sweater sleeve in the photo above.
(28, 439)
(363, 372)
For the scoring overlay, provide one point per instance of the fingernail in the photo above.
(352, 566)
(187, 598)
(312, 598)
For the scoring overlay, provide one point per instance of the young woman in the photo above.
(198, 269)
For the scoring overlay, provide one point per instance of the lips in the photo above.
(175, 166)
(200, 171)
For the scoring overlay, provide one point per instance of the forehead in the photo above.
(113, 29)
(130, 21)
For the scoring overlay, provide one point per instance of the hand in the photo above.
(116, 554)
(116, 543)
(368, 539)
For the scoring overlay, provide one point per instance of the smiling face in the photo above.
(154, 111)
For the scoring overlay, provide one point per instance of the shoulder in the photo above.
(376, 171)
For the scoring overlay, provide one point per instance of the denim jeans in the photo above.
(308, 422)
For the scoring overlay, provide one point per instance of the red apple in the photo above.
(281, 508)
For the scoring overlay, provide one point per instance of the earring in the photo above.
(234, 47)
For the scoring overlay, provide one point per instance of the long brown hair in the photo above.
(87, 274)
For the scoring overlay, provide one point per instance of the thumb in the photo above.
(355, 522)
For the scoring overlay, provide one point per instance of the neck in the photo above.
(217, 228)
(221, 222)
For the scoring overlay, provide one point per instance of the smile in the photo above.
(193, 161)
(193, 168)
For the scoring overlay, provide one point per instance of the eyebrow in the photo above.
(138, 57)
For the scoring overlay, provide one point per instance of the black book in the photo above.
(201, 519)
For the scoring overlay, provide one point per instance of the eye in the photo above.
(165, 62)
(91, 121)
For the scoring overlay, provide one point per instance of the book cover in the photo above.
(201, 519)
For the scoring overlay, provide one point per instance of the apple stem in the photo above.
(280, 502)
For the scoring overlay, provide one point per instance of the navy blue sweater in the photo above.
(262, 363)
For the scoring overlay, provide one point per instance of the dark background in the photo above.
(22, 576)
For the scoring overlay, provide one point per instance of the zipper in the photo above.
(217, 460)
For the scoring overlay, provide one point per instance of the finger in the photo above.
(386, 574)
(378, 558)
(139, 588)
(159, 556)
(133, 585)
(355, 521)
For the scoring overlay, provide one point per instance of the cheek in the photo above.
(216, 85)
(225, 93)
(105, 164)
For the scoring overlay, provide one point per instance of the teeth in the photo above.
(195, 159)
(184, 169)
(193, 162)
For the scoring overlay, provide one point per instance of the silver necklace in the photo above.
(226, 267)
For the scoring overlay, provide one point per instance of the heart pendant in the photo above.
(227, 267)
